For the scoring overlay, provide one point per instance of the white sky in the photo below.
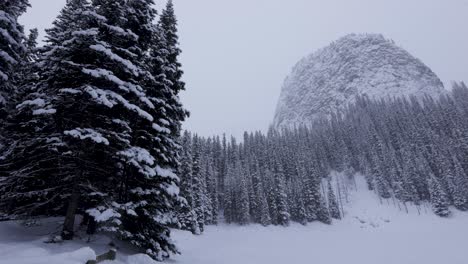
(236, 53)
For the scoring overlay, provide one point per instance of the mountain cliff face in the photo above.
(329, 79)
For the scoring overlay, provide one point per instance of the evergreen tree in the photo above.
(281, 197)
(43, 167)
(332, 203)
(199, 202)
(186, 213)
(97, 130)
(12, 50)
(323, 215)
(459, 186)
(244, 206)
(265, 218)
(438, 197)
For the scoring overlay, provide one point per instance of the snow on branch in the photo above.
(36, 102)
(7, 57)
(86, 32)
(122, 32)
(8, 37)
(87, 133)
(125, 86)
(110, 99)
(3, 76)
(70, 91)
(166, 173)
(95, 15)
(101, 214)
(161, 129)
(141, 159)
(49, 111)
(100, 48)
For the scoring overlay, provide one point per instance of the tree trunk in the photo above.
(92, 226)
(69, 223)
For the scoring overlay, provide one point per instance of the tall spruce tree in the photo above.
(12, 49)
(96, 128)
(186, 213)
(332, 203)
(283, 215)
(43, 167)
(438, 197)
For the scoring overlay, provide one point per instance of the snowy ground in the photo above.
(371, 233)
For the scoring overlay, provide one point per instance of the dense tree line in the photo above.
(411, 150)
(90, 120)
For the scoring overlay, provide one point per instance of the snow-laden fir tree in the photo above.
(200, 203)
(12, 49)
(265, 218)
(149, 192)
(244, 203)
(173, 69)
(332, 202)
(439, 201)
(43, 169)
(186, 213)
(283, 215)
(97, 128)
(459, 187)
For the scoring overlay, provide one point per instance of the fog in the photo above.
(236, 54)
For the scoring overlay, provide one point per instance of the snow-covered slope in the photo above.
(372, 232)
(330, 78)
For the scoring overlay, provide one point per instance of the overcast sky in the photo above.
(236, 53)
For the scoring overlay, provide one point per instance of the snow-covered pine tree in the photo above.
(323, 215)
(94, 122)
(12, 49)
(28, 71)
(149, 192)
(43, 167)
(199, 198)
(244, 205)
(299, 207)
(173, 70)
(255, 210)
(281, 197)
(459, 186)
(438, 197)
(265, 218)
(211, 188)
(186, 213)
(270, 194)
(229, 195)
(332, 203)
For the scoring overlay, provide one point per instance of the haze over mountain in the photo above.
(357, 64)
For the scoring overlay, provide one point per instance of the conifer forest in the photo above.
(92, 139)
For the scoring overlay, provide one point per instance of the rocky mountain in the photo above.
(327, 80)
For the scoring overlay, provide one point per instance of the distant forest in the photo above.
(411, 150)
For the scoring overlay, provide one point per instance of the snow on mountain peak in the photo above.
(329, 79)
